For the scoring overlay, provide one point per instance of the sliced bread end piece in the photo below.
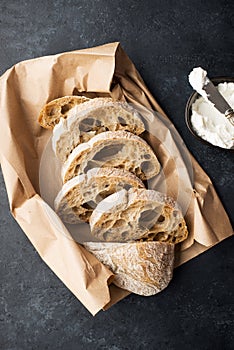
(53, 111)
(144, 268)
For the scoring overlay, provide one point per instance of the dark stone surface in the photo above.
(165, 40)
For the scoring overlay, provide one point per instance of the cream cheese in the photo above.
(209, 123)
(198, 78)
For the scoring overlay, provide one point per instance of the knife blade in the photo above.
(219, 102)
(215, 97)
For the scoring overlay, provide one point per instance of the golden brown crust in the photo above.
(113, 149)
(92, 118)
(54, 110)
(138, 214)
(79, 196)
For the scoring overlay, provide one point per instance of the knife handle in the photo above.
(229, 114)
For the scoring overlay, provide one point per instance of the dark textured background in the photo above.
(165, 40)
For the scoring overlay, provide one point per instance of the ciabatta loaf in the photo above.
(144, 268)
(79, 196)
(53, 111)
(136, 214)
(92, 118)
(118, 149)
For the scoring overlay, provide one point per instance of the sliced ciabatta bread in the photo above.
(136, 214)
(92, 118)
(79, 196)
(118, 149)
(144, 268)
(53, 111)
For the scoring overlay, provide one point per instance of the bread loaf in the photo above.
(119, 149)
(144, 268)
(53, 111)
(80, 195)
(87, 120)
(136, 214)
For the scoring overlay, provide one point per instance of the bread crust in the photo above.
(94, 117)
(79, 196)
(124, 150)
(144, 268)
(53, 111)
(138, 214)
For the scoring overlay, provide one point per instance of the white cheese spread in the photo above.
(209, 123)
(198, 78)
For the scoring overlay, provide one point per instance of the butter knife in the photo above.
(218, 100)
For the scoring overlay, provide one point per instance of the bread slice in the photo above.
(144, 268)
(53, 111)
(79, 196)
(92, 118)
(118, 149)
(136, 214)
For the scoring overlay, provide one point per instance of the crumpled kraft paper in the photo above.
(100, 71)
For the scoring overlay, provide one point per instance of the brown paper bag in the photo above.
(101, 71)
